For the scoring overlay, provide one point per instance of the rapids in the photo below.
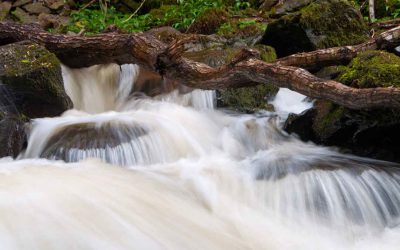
(125, 171)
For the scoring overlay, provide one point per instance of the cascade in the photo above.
(126, 171)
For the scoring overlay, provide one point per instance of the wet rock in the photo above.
(4, 10)
(321, 24)
(91, 137)
(247, 99)
(19, 3)
(36, 8)
(24, 17)
(12, 135)
(33, 74)
(372, 133)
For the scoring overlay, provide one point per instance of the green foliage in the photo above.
(179, 16)
(384, 9)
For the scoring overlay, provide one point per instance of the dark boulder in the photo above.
(371, 133)
(12, 135)
(33, 75)
(321, 24)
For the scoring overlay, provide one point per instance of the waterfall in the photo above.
(126, 171)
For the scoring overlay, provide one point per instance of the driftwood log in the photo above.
(244, 70)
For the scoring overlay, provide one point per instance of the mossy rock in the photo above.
(321, 24)
(245, 29)
(372, 133)
(209, 21)
(247, 99)
(33, 74)
(372, 69)
(218, 55)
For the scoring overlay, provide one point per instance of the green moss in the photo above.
(29, 58)
(242, 28)
(372, 69)
(333, 23)
(328, 117)
(35, 73)
(267, 53)
(248, 99)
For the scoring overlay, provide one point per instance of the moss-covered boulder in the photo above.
(321, 24)
(33, 74)
(246, 30)
(247, 99)
(372, 133)
(372, 69)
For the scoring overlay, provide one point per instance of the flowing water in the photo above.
(124, 171)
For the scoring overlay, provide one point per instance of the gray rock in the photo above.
(36, 8)
(24, 17)
(4, 10)
(19, 3)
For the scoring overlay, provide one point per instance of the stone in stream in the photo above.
(12, 135)
(90, 136)
(33, 75)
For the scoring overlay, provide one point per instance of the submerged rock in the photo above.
(321, 24)
(33, 74)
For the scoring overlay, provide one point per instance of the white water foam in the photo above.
(172, 173)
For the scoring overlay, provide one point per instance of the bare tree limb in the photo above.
(338, 55)
(243, 70)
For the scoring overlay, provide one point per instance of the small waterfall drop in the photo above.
(126, 171)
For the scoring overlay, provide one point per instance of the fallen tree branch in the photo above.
(389, 24)
(339, 55)
(243, 70)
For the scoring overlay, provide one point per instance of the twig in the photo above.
(87, 5)
(134, 13)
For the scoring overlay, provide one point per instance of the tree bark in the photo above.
(371, 10)
(339, 55)
(244, 70)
